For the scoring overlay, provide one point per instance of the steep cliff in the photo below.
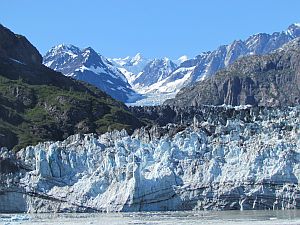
(17, 47)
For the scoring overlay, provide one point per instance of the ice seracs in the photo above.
(247, 159)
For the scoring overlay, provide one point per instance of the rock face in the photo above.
(270, 80)
(39, 104)
(248, 159)
(185, 116)
(17, 47)
(91, 67)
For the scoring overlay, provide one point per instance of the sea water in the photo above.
(161, 218)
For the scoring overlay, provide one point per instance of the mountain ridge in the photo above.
(208, 63)
(270, 80)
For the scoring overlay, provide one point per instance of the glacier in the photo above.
(248, 160)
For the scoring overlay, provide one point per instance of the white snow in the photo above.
(130, 77)
(176, 85)
(152, 99)
(17, 61)
(162, 90)
(97, 70)
(71, 54)
(182, 59)
(114, 69)
(48, 64)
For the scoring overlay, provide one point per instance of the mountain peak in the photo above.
(155, 71)
(293, 30)
(136, 59)
(90, 52)
(166, 59)
(183, 58)
(138, 56)
(296, 24)
(87, 65)
(64, 48)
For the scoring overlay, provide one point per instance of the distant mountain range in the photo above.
(158, 79)
(89, 66)
(208, 63)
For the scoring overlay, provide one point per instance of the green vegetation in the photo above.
(35, 108)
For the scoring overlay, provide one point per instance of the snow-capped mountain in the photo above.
(208, 63)
(130, 66)
(89, 66)
(154, 72)
(145, 75)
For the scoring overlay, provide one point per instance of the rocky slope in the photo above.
(246, 158)
(39, 104)
(269, 80)
(17, 47)
(89, 66)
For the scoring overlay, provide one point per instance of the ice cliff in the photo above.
(244, 162)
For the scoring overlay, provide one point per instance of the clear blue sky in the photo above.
(156, 28)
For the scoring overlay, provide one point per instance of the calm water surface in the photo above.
(161, 218)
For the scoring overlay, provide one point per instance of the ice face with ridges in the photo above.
(242, 165)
